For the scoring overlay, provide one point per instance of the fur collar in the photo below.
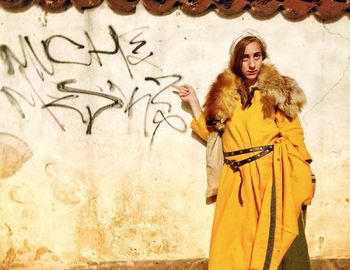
(277, 91)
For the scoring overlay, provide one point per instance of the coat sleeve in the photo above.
(199, 127)
(292, 130)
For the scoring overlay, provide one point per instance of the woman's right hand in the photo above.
(188, 95)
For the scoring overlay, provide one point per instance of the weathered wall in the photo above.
(103, 168)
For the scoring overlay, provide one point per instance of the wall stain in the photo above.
(9, 259)
(14, 153)
(43, 19)
(16, 247)
(20, 251)
(45, 254)
(67, 192)
(40, 252)
(24, 254)
(24, 249)
(5, 242)
(66, 188)
(90, 239)
(133, 230)
(29, 214)
(21, 193)
(139, 230)
(320, 242)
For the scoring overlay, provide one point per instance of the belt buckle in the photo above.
(234, 165)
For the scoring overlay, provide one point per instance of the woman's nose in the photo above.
(251, 64)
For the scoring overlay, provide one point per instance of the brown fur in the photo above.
(278, 92)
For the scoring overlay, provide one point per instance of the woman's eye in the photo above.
(245, 57)
(257, 56)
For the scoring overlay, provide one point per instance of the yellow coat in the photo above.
(257, 208)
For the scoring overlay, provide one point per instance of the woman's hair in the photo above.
(238, 53)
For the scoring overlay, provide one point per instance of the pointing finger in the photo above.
(176, 87)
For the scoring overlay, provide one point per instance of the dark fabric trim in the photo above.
(297, 256)
(271, 240)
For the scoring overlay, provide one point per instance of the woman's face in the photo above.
(252, 62)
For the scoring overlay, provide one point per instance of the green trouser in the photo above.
(297, 256)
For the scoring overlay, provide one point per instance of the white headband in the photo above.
(245, 33)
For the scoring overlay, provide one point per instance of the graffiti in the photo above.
(67, 44)
(60, 52)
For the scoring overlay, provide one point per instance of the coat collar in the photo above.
(277, 91)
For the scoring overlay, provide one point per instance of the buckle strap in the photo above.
(236, 164)
(247, 150)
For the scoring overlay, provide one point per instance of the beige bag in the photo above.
(215, 162)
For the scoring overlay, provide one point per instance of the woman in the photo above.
(266, 177)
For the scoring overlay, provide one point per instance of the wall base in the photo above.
(190, 264)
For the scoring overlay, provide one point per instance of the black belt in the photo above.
(236, 164)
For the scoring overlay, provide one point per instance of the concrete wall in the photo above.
(92, 170)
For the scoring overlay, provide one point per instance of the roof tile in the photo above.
(123, 6)
(324, 10)
(232, 7)
(297, 9)
(265, 8)
(16, 5)
(81, 5)
(55, 5)
(329, 10)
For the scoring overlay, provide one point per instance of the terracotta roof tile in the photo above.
(228, 8)
(324, 10)
(265, 8)
(196, 7)
(159, 6)
(329, 10)
(16, 5)
(297, 9)
(81, 5)
(123, 6)
(55, 5)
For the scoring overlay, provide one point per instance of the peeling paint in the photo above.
(66, 188)
(5, 243)
(24, 254)
(9, 259)
(41, 251)
(21, 193)
(67, 192)
(45, 254)
(141, 231)
(90, 237)
(13, 154)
